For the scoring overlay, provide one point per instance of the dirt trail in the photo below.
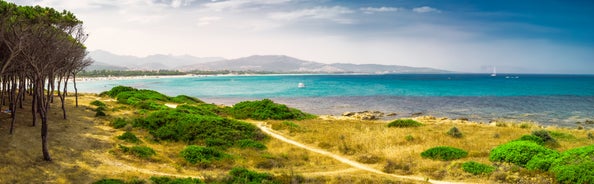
(342, 159)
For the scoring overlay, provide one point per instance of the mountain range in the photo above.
(262, 63)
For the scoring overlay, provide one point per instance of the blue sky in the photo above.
(461, 35)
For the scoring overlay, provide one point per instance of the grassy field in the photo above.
(86, 149)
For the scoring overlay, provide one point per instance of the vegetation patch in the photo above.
(243, 175)
(454, 132)
(115, 91)
(168, 180)
(477, 168)
(110, 181)
(445, 153)
(129, 137)
(98, 103)
(119, 123)
(266, 109)
(403, 123)
(178, 125)
(183, 99)
(139, 151)
(546, 137)
(248, 143)
(202, 155)
(518, 152)
(531, 138)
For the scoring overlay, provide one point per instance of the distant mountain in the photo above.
(279, 63)
(264, 63)
(152, 62)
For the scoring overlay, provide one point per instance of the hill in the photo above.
(259, 63)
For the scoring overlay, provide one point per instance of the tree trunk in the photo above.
(75, 89)
(42, 109)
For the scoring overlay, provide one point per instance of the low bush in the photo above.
(403, 123)
(113, 92)
(248, 143)
(542, 161)
(445, 153)
(119, 123)
(201, 155)
(545, 136)
(531, 138)
(139, 151)
(98, 103)
(168, 180)
(454, 132)
(266, 109)
(243, 175)
(110, 181)
(129, 137)
(177, 125)
(518, 152)
(100, 113)
(575, 173)
(186, 99)
(477, 168)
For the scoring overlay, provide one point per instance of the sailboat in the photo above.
(494, 72)
(301, 85)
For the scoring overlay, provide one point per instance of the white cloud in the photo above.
(334, 14)
(203, 21)
(238, 4)
(425, 9)
(371, 10)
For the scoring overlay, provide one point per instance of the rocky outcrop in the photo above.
(365, 115)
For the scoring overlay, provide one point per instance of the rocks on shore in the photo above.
(366, 115)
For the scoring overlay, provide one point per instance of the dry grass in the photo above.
(402, 146)
(84, 149)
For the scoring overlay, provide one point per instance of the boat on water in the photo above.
(494, 72)
(301, 85)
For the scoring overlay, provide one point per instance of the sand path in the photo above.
(342, 159)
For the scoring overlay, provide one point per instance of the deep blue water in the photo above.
(548, 99)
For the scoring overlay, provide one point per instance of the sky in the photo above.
(516, 36)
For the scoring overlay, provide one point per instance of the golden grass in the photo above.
(358, 139)
(85, 149)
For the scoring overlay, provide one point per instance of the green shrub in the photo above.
(117, 90)
(139, 151)
(129, 137)
(575, 173)
(575, 165)
(531, 138)
(186, 99)
(248, 143)
(240, 175)
(542, 161)
(98, 103)
(119, 123)
(444, 153)
(266, 109)
(202, 155)
(518, 152)
(100, 113)
(403, 123)
(477, 168)
(110, 181)
(454, 132)
(176, 125)
(168, 180)
(218, 143)
(545, 136)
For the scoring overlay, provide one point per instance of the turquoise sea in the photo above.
(548, 99)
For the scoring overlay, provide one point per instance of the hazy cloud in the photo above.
(203, 21)
(335, 14)
(425, 9)
(371, 10)
(238, 4)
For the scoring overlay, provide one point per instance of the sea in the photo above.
(558, 100)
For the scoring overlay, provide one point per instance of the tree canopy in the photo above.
(40, 50)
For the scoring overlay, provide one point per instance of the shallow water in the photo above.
(548, 99)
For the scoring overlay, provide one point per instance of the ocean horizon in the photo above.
(547, 99)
